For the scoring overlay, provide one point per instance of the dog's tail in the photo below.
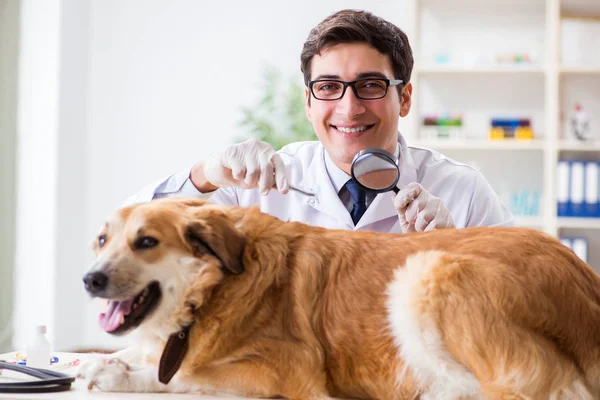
(468, 326)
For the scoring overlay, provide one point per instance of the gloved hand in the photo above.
(248, 165)
(420, 211)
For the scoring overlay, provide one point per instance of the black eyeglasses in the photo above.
(364, 89)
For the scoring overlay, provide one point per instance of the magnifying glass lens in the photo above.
(375, 170)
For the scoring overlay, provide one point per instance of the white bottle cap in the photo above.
(40, 329)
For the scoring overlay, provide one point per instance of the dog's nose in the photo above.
(95, 282)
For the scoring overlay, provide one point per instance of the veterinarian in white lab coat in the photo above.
(356, 89)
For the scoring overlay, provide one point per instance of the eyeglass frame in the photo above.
(389, 82)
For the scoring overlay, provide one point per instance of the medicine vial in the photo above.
(38, 350)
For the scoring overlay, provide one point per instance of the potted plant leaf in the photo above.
(279, 117)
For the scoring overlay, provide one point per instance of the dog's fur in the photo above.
(286, 309)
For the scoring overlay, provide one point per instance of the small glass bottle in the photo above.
(38, 350)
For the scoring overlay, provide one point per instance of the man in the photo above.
(357, 70)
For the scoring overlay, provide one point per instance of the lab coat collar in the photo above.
(328, 200)
(408, 169)
(337, 176)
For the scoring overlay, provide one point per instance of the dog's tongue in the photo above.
(110, 320)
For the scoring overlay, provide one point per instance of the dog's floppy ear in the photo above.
(218, 236)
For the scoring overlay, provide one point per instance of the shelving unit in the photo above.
(580, 71)
(529, 222)
(575, 223)
(517, 69)
(573, 145)
(469, 34)
(479, 144)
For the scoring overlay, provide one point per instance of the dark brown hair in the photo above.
(350, 26)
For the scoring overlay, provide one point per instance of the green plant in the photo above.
(279, 117)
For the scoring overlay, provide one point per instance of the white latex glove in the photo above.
(420, 211)
(247, 165)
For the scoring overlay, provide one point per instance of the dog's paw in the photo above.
(88, 363)
(105, 373)
(184, 316)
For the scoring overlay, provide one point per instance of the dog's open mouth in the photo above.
(121, 316)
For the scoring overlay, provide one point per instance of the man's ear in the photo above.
(215, 234)
(307, 103)
(406, 100)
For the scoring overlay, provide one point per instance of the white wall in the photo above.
(37, 135)
(51, 170)
(72, 244)
(115, 94)
(168, 79)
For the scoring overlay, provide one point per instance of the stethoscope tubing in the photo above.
(49, 381)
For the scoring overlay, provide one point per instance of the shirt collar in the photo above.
(337, 176)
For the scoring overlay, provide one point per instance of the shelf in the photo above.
(586, 18)
(529, 222)
(479, 144)
(580, 9)
(579, 146)
(493, 69)
(592, 70)
(529, 69)
(493, 4)
(582, 223)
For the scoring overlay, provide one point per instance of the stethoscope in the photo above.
(49, 381)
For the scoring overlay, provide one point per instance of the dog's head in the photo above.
(148, 255)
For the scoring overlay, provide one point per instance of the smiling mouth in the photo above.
(354, 131)
(123, 315)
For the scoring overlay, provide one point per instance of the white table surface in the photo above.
(79, 389)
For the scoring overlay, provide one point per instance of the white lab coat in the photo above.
(463, 189)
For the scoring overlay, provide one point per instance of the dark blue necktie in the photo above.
(360, 200)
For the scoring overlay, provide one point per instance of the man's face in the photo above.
(348, 125)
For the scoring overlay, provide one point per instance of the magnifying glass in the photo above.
(375, 170)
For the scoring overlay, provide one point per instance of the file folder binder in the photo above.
(580, 247)
(562, 185)
(591, 189)
(577, 189)
(566, 242)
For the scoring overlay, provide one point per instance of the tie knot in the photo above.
(358, 195)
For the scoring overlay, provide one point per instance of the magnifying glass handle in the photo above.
(295, 189)
(395, 189)
(301, 191)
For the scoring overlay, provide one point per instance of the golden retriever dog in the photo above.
(231, 300)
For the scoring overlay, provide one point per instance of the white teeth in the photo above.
(135, 305)
(103, 304)
(351, 130)
(122, 319)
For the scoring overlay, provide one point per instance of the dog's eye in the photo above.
(101, 240)
(145, 242)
